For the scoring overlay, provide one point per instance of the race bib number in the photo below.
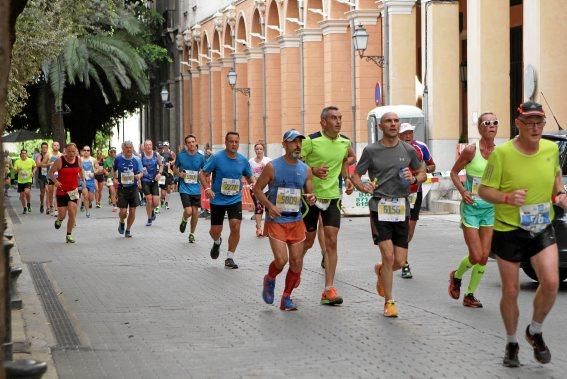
(74, 194)
(24, 175)
(392, 210)
(323, 204)
(535, 217)
(288, 199)
(109, 182)
(89, 174)
(161, 180)
(412, 197)
(230, 187)
(475, 184)
(127, 178)
(44, 171)
(190, 177)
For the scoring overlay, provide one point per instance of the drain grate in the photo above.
(60, 323)
(13, 215)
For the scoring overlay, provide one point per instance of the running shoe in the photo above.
(406, 272)
(98, 205)
(215, 250)
(268, 290)
(258, 232)
(511, 355)
(58, 223)
(166, 205)
(331, 297)
(229, 263)
(157, 210)
(25, 210)
(88, 214)
(379, 285)
(454, 286)
(390, 309)
(29, 208)
(41, 208)
(69, 239)
(191, 238)
(472, 302)
(121, 227)
(287, 304)
(82, 208)
(127, 234)
(541, 351)
(149, 223)
(183, 225)
(153, 215)
(47, 211)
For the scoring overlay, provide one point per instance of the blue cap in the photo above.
(292, 134)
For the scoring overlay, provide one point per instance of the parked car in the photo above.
(560, 220)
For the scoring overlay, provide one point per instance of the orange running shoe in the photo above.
(331, 297)
(390, 309)
(379, 285)
(454, 286)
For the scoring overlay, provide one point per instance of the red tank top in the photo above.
(68, 176)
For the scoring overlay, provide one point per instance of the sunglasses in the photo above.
(86, 149)
(489, 123)
(533, 125)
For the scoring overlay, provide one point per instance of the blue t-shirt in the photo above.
(150, 166)
(191, 164)
(227, 177)
(126, 169)
(286, 189)
(88, 168)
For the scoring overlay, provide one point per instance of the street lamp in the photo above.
(165, 98)
(360, 41)
(232, 76)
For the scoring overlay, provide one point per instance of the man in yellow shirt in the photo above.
(25, 170)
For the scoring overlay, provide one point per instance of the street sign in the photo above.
(378, 94)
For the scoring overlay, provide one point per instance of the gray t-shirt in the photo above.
(383, 164)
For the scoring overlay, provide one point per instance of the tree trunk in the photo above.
(9, 12)
(58, 126)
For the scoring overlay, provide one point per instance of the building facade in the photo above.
(453, 59)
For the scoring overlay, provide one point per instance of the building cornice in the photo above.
(334, 26)
(254, 53)
(399, 6)
(311, 35)
(271, 48)
(287, 42)
(364, 16)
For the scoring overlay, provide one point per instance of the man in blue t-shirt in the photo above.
(187, 167)
(151, 163)
(126, 173)
(228, 167)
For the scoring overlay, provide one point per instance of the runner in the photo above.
(477, 215)
(42, 163)
(25, 170)
(55, 154)
(257, 164)
(523, 179)
(99, 177)
(228, 167)
(69, 172)
(325, 152)
(126, 172)
(151, 163)
(187, 166)
(416, 194)
(287, 177)
(388, 163)
(166, 183)
(108, 174)
(90, 167)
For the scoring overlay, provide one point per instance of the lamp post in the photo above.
(231, 77)
(360, 41)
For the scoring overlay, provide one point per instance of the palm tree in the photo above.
(108, 59)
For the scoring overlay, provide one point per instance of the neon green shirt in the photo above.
(318, 149)
(508, 170)
(25, 173)
(107, 165)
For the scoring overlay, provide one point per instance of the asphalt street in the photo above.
(155, 306)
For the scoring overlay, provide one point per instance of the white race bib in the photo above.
(109, 182)
(44, 171)
(412, 197)
(475, 184)
(89, 174)
(161, 180)
(190, 177)
(323, 204)
(288, 199)
(535, 217)
(74, 194)
(24, 175)
(392, 210)
(230, 187)
(127, 178)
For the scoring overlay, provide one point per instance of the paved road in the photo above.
(157, 306)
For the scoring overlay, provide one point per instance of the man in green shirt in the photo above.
(326, 152)
(25, 171)
(107, 169)
(523, 180)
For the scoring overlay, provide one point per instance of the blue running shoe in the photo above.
(287, 304)
(268, 291)
(121, 227)
(149, 223)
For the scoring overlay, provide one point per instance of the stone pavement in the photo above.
(155, 306)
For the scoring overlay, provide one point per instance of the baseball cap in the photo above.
(165, 143)
(530, 108)
(112, 149)
(292, 134)
(406, 127)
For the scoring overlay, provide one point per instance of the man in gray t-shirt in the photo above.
(387, 163)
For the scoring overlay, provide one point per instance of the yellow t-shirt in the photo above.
(508, 170)
(25, 173)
